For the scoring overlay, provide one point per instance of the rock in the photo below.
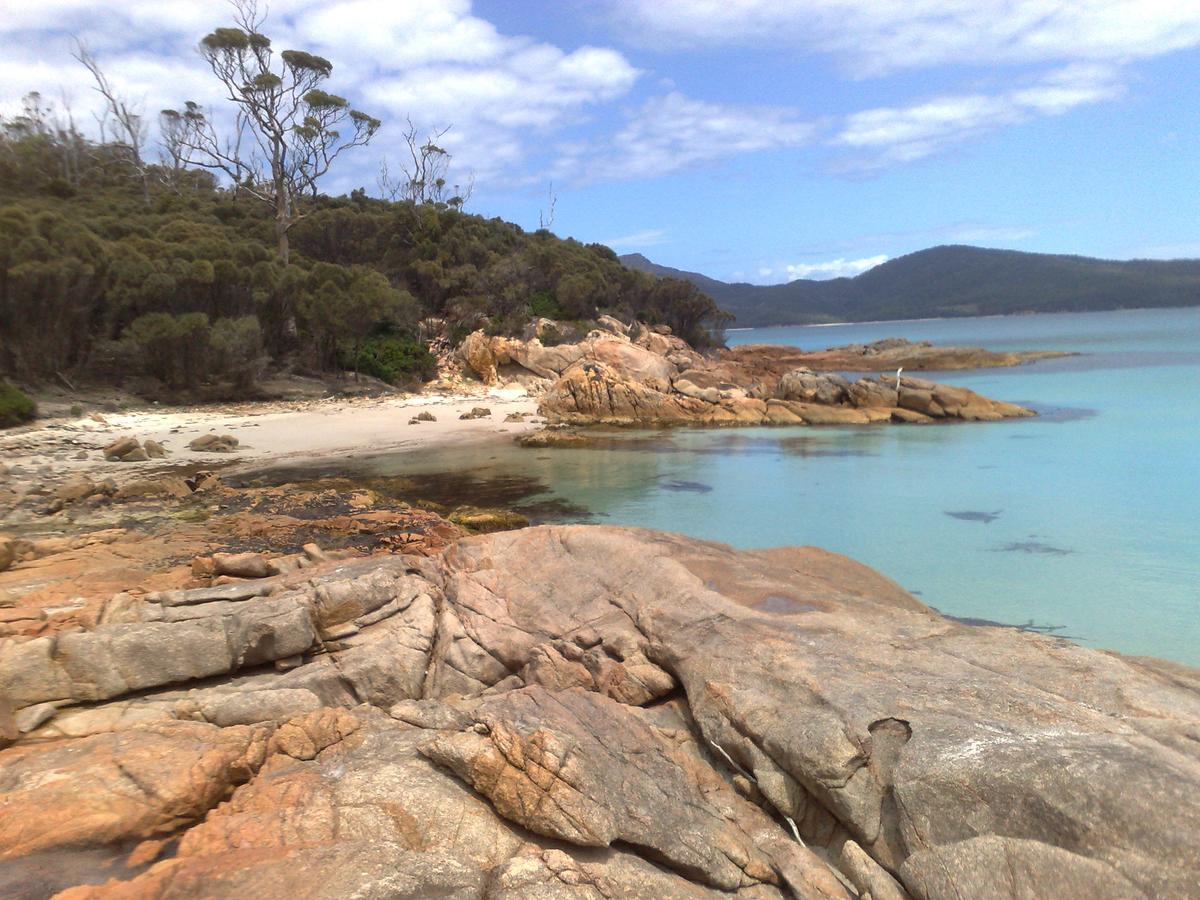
(114, 787)
(31, 717)
(80, 454)
(868, 393)
(554, 437)
(656, 379)
(596, 711)
(78, 488)
(8, 551)
(615, 326)
(214, 443)
(483, 354)
(120, 447)
(168, 486)
(478, 412)
(562, 766)
(154, 449)
(241, 565)
(808, 386)
(483, 521)
(137, 455)
(424, 416)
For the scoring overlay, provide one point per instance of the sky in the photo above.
(750, 140)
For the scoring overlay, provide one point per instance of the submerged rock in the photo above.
(592, 711)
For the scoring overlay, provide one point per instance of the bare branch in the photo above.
(127, 123)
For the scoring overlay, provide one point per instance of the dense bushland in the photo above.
(104, 279)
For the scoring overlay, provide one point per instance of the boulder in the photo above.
(478, 412)
(121, 447)
(483, 354)
(555, 437)
(214, 443)
(8, 551)
(595, 392)
(78, 488)
(869, 392)
(612, 325)
(482, 521)
(241, 565)
(154, 449)
(808, 386)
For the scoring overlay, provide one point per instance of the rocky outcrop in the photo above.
(886, 355)
(590, 711)
(650, 377)
(592, 392)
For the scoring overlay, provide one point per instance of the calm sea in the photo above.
(1083, 522)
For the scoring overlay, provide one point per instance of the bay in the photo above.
(1082, 522)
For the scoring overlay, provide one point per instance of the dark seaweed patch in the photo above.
(1033, 547)
(691, 487)
(974, 515)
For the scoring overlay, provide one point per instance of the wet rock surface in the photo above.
(582, 711)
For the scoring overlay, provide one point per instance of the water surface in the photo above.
(1083, 521)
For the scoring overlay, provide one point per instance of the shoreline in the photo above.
(269, 433)
(1017, 315)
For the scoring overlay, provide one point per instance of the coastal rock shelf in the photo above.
(583, 711)
(643, 376)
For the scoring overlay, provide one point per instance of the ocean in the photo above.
(1082, 522)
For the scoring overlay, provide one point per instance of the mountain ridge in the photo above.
(949, 281)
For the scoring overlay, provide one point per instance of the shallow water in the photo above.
(1082, 521)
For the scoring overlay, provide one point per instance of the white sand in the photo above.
(267, 432)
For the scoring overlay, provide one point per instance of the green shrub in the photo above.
(174, 349)
(15, 406)
(391, 358)
(238, 350)
(542, 305)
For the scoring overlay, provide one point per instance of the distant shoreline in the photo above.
(1020, 315)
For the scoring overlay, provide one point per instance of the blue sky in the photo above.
(757, 140)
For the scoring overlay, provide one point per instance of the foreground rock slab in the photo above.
(584, 711)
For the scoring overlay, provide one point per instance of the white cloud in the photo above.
(834, 268)
(872, 37)
(434, 61)
(890, 135)
(674, 132)
(651, 237)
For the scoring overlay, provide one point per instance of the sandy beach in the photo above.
(267, 432)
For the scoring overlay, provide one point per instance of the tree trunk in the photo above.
(281, 236)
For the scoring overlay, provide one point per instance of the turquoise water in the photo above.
(1083, 521)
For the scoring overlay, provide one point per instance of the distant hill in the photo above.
(953, 281)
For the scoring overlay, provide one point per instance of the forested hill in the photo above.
(954, 281)
(177, 284)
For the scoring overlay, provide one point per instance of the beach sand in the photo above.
(267, 432)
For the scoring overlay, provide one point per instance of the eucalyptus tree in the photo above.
(287, 130)
(121, 123)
